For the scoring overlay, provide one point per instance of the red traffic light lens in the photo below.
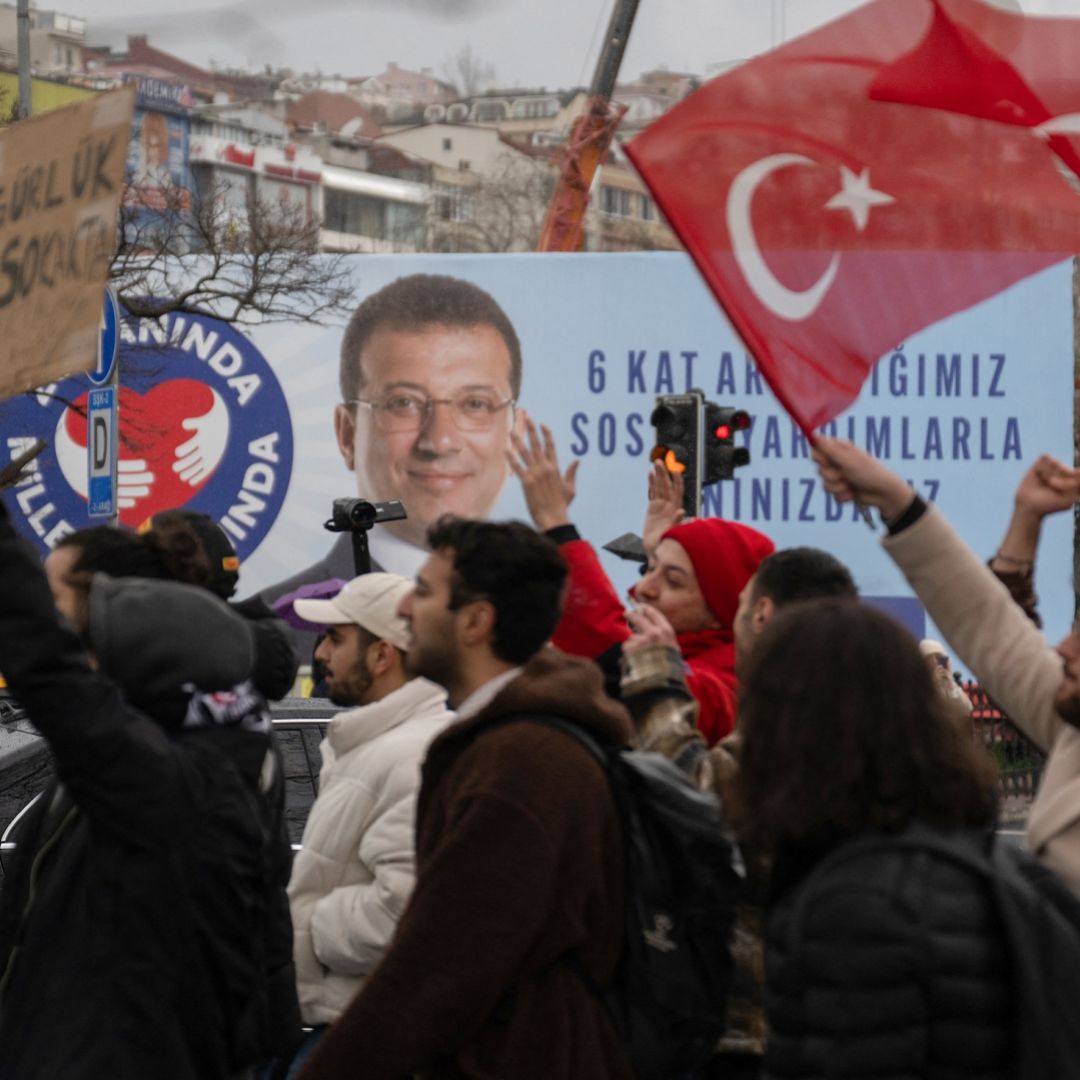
(723, 431)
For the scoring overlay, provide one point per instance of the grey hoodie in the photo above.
(157, 638)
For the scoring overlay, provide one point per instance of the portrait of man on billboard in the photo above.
(430, 372)
(153, 170)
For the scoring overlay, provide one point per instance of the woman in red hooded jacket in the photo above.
(693, 579)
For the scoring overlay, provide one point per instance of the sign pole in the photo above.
(114, 385)
(102, 417)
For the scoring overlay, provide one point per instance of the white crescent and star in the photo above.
(855, 195)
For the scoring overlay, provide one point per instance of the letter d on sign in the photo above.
(100, 443)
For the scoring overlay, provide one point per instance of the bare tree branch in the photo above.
(468, 72)
(256, 262)
(503, 211)
(12, 473)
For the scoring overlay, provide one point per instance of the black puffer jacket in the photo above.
(144, 932)
(889, 964)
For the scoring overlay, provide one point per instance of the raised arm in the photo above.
(665, 509)
(593, 620)
(1048, 487)
(975, 612)
(117, 764)
(535, 462)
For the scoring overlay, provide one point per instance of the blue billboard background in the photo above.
(959, 409)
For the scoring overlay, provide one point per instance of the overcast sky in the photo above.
(541, 43)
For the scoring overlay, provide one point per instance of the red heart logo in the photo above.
(172, 439)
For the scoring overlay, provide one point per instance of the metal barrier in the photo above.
(7, 844)
(1020, 762)
(306, 716)
(299, 726)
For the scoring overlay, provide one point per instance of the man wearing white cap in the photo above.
(355, 871)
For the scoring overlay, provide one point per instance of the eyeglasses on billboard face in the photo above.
(403, 411)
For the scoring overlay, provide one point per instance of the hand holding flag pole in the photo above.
(852, 475)
(820, 454)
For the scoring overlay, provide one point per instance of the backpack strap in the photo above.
(574, 730)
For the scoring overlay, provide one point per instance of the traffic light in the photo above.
(678, 421)
(722, 456)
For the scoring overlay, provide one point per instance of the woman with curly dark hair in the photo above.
(882, 959)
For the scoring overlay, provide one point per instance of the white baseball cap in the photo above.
(370, 601)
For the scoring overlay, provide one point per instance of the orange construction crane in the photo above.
(589, 140)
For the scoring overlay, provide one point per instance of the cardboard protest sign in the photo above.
(61, 178)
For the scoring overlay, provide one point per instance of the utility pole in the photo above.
(589, 140)
(22, 48)
(779, 31)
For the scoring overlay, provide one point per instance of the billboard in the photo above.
(959, 410)
(157, 174)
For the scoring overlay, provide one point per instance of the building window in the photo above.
(648, 209)
(357, 215)
(535, 108)
(377, 219)
(406, 224)
(486, 112)
(452, 202)
(615, 201)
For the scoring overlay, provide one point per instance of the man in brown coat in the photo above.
(519, 896)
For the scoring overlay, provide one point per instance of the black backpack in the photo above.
(1040, 918)
(683, 877)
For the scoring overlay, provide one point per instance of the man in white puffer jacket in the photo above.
(354, 873)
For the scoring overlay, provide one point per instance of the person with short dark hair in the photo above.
(800, 573)
(517, 911)
(413, 303)
(881, 959)
(789, 576)
(430, 375)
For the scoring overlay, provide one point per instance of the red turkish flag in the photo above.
(861, 182)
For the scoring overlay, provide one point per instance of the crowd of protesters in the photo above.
(456, 908)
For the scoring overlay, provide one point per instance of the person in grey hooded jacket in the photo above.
(144, 929)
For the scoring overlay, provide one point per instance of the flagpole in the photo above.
(779, 30)
(22, 57)
(1076, 420)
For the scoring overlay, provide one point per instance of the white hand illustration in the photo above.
(133, 482)
(197, 458)
(133, 479)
